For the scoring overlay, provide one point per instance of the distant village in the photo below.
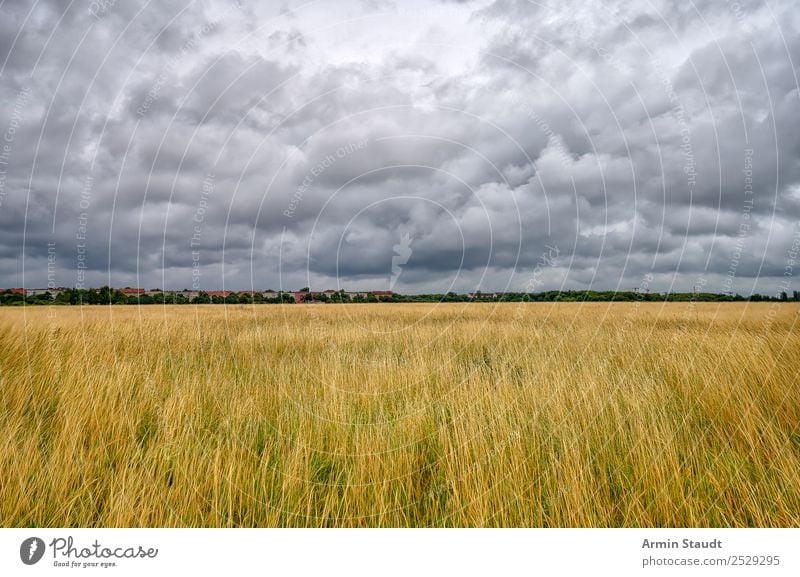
(129, 295)
(132, 295)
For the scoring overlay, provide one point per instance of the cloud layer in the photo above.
(287, 145)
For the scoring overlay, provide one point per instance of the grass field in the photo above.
(626, 414)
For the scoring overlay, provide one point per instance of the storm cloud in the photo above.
(278, 145)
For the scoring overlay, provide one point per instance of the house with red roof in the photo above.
(223, 294)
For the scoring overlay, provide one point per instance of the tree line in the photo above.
(106, 295)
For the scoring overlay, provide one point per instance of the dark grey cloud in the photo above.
(294, 144)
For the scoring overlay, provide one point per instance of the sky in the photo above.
(418, 146)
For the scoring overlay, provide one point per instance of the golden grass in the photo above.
(626, 414)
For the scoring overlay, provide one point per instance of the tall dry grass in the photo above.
(627, 414)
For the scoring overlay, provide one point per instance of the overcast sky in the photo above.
(422, 146)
